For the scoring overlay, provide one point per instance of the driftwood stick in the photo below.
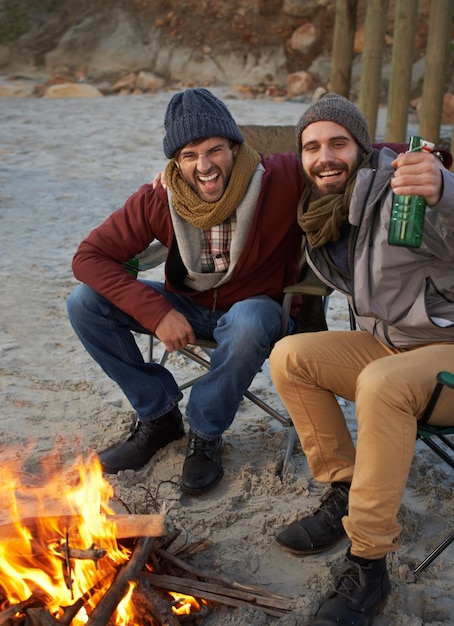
(108, 603)
(165, 542)
(199, 589)
(194, 548)
(219, 594)
(214, 576)
(127, 526)
(88, 554)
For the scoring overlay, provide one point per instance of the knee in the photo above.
(78, 302)
(73, 302)
(379, 385)
(251, 323)
(287, 357)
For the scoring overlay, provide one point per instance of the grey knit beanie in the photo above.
(335, 108)
(196, 114)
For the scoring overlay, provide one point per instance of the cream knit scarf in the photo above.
(203, 214)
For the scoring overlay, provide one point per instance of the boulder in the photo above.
(72, 90)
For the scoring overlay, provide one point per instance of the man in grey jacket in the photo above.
(403, 303)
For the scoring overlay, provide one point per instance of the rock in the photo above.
(146, 81)
(124, 83)
(17, 89)
(72, 90)
(304, 38)
(299, 83)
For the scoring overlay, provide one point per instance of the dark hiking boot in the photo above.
(145, 440)
(361, 588)
(202, 468)
(321, 530)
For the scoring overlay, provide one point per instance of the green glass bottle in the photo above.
(407, 213)
(132, 266)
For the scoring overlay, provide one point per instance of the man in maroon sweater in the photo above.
(228, 219)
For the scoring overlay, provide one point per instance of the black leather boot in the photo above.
(145, 440)
(321, 530)
(202, 468)
(361, 588)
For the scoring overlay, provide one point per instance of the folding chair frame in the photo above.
(435, 437)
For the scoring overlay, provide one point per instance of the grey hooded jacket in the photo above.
(402, 296)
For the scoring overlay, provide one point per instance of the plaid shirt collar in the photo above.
(216, 246)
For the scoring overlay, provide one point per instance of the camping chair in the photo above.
(438, 439)
(311, 317)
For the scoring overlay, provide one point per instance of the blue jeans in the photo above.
(244, 334)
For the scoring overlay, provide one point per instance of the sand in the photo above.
(65, 166)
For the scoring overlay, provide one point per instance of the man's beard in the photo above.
(317, 192)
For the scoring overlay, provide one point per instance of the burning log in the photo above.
(151, 603)
(8, 613)
(40, 617)
(127, 526)
(69, 612)
(109, 602)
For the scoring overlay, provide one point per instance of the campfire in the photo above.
(66, 558)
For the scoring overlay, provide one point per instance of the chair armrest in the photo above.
(153, 256)
(311, 285)
(446, 378)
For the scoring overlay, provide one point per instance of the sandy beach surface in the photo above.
(65, 165)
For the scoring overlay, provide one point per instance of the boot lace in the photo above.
(196, 444)
(334, 501)
(349, 577)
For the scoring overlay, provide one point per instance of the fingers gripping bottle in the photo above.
(407, 213)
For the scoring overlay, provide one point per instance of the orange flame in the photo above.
(35, 561)
(184, 605)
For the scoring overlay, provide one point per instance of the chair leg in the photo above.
(292, 439)
(433, 555)
(205, 363)
(438, 449)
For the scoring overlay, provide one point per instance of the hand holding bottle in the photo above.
(418, 174)
(415, 183)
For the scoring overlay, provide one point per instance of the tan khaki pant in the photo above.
(391, 389)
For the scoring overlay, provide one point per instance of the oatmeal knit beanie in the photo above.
(335, 108)
(196, 114)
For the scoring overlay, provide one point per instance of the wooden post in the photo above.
(342, 53)
(435, 70)
(401, 70)
(452, 147)
(371, 64)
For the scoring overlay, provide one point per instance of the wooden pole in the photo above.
(371, 64)
(343, 41)
(401, 70)
(452, 147)
(435, 70)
